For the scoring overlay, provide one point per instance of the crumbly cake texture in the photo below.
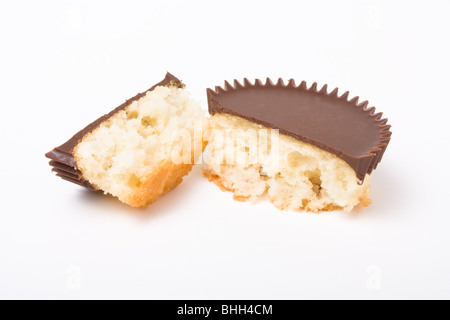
(294, 174)
(143, 151)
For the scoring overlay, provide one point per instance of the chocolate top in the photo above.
(63, 161)
(335, 124)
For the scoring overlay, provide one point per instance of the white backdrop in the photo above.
(64, 63)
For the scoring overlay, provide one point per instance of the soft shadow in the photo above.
(387, 193)
(169, 202)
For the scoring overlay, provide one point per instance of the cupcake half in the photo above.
(306, 148)
(140, 150)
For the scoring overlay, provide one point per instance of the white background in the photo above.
(64, 63)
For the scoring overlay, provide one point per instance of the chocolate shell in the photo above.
(346, 128)
(62, 159)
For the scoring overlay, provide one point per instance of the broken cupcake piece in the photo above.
(306, 148)
(140, 150)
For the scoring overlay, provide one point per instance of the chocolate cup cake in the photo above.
(327, 145)
(140, 150)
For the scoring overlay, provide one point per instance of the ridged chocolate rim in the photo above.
(362, 164)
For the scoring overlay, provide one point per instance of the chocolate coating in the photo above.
(62, 159)
(335, 124)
